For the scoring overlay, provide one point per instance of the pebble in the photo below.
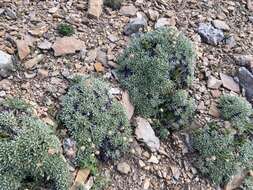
(153, 159)
(34, 61)
(153, 14)
(123, 168)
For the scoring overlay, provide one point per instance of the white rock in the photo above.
(6, 64)
(213, 83)
(146, 134)
(123, 168)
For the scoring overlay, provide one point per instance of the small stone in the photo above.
(123, 168)
(141, 164)
(23, 49)
(165, 22)
(216, 93)
(146, 184)
(230, 42)
(213, 83)
(45, 45)
(99, 67)
(38, 31)
(209, 34)
(34, 61)
(53, 10)
(129, 10)
(246, 81)
(95, 8)
(42, 73)
(67, 45)
(146, 134)
(113, 38)
(201, 106)
(213, 110)
(229, 83)
(251, 19)
(153, 159)
(6, 64)
(91, 55)
(219, 24)
(135, 25)
(102, 57)
(153, 14)
(250, 5)
(175, 172)
(127, 105)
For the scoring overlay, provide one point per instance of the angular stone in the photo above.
(219, 24)
(236, 180)
(153, 14)
(38, 31)
(146, 134)
(229, 83)
(127, 105)
(123, 168)
(135, 25)
(246, 81)
(209, 34)
(23, 49)
(45, 45)
(81, 177)
(129, 10)
(165, 22)
(95, 8)
(213, 83)
(99, 67)
(67, 45)
(6, 64)
(34, 61)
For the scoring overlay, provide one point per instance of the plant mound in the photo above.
(154, 66)
(95, 120)
(221, 154)
(236, 110)
(65, 29)
(30, 153)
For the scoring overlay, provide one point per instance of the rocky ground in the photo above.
(41, 64)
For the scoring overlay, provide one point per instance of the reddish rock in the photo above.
(23, 49)
(67, 45)
(215, 93)
(229, 83)
(99, 67)
(127, 105)
(95, 8)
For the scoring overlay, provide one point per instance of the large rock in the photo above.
(129, 10)
(146, 134)
(135, 25)
(95, 8)
(209, 34)
(6, 64)
(67, 45)
(246, 81)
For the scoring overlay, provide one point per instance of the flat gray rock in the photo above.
(135, 25)
(209, 34)
(146, 134)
